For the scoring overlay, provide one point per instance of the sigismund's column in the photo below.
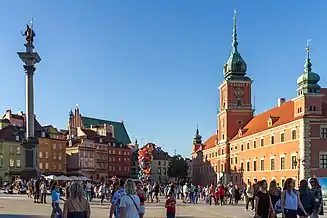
(30, 58)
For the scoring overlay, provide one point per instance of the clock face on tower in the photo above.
(239, 91)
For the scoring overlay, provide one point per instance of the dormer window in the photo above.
(240, 133)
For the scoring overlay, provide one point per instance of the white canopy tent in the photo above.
(67, 178)
(64, 178)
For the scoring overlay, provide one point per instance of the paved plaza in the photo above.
(15, 206)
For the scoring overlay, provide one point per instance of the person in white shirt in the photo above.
(130, 202)
(150, 192)
(185, 193)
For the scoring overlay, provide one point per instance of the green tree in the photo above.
(178, 167)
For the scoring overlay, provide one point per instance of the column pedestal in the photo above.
(30, 170)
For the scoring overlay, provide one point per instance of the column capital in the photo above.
(29, 69)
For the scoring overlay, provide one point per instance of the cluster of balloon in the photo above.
(145, 160)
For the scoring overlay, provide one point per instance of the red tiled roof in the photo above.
(210, 143)
(281, 115)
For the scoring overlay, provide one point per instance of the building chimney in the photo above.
(281, 101)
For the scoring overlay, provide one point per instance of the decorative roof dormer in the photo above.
(235, 67)
(271, 120)
(308, 80)
(197, 138)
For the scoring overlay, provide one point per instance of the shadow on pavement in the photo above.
(20, 216)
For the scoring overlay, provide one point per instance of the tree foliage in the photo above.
(178, 167)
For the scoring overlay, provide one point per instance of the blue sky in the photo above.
(157, 64)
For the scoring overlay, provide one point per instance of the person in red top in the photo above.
(217, 196)
(170, 206)
(221, 194)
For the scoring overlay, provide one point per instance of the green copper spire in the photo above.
(235, 68)
(308, 80)
(235, 43)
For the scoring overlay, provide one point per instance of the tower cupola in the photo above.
(308, 80)
(197, 138)
(235, 67)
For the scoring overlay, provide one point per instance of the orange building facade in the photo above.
(51, 151)
(287, 141)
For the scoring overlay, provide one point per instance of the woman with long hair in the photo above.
(274, 193)
(290, 200)
(262, 200)
(76, 205)
(130, 202)
(317, 197)
(306, 197)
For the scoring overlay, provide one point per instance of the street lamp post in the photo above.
(298, 163)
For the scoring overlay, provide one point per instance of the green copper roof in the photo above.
(235, 66)
(119, 128)
(308, 78)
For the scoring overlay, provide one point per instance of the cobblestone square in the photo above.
(15, 206)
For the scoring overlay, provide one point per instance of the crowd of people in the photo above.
(128, 197)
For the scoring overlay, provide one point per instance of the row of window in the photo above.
(119, 168)
(12, 163)
(272, 166)
(262, 141)
(45, 166)
(113, 159)
(163, 171)
(55, 156)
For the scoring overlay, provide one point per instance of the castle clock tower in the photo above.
(235, 102)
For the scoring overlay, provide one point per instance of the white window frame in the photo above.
(272, 157)
(322, 127)
(272, 136)
(254, 140)
(255, 159)
(262, 158)
(294, 154)
(280, 161)
(263, 141)
(292, 133)
(320, 154)
(280, 136)
(248, 161)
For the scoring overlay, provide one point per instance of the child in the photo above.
(171, 206)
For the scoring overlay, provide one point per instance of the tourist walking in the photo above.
(170, 206)
(317, 197)
(43, 190)
(262, 201)
(140, 192)
(115, 202)
(76, 205)
(290, 200)
(130, 202)
(306, 198)
(274, 194)
(55, 197)
(249, 196)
